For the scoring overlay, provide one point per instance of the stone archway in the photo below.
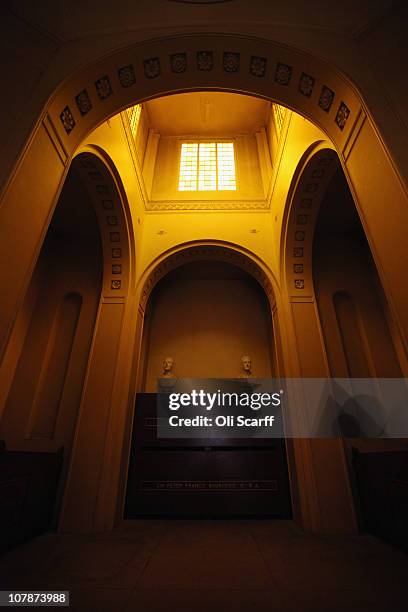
(211, 250)
(211, 253)
(103, 405)
(308, 188)
(319, 461)
(104, 192)
(214, 251)
(313, 175)
(217, 62)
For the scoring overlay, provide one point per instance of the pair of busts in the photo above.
(246, 367)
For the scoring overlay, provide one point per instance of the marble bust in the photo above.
(246, 366)
(166, 381)
(168, 363)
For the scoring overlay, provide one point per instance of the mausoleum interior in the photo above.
(187, 201)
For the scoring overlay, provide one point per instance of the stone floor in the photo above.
(228, 566)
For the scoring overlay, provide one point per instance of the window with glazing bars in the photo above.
(207, 166)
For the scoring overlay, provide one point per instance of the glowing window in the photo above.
(134, 116)
(207, 166)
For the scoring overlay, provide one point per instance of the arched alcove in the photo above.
(342, 321)
(205, 305)
(323, 230)
(210, 251)
(69, 327)
(51, 342)
(360, 338)
(207, 314)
